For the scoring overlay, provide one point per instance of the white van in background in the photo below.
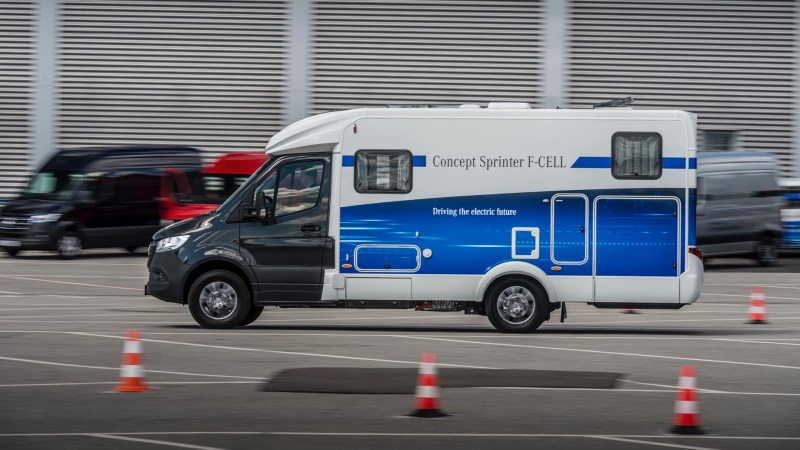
(739, 205)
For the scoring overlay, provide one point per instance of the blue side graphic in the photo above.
(791, 233)
(418, 161)
(470, 235)
(604, 162)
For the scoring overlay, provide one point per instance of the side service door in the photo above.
(288, 247)
(569, 242)
(636, 249)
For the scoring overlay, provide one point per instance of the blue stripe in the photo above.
(604, 162)
(350, 161)
(592, 162)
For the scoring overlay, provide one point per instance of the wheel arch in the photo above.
(217, 264)
(516, 269)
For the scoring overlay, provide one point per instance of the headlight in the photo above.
(171, 243)
(41, 218)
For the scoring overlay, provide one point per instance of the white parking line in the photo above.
(70, 282)
(601, 352)
(81, 366)
(445, 435)
(151, 441)
(745, 297)
(154, 383)
(752, 341)
(278, 352)
(657, 444)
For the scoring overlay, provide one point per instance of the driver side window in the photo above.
(297, 186)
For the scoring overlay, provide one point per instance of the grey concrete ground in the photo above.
(63, 324)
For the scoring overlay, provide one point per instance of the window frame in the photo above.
(385, 151)
(638, 177)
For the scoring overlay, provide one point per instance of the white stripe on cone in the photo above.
(427, 392)
(687, 383)
(131, 371)
(132, 347)
(427, 369)
(686, 407)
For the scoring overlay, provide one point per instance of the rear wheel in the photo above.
(252, 316)
(131, 249)
(516, 305)
(68, 245)
(11, 252)
(219, 299)
(767, 251)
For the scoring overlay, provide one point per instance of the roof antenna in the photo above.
(613, 103)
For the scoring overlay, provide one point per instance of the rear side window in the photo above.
(383, 171)
(636, 156)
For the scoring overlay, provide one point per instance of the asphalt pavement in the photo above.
(63, 327)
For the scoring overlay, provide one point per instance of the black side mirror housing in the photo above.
(262, 210)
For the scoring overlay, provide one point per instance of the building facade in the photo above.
(226, 75)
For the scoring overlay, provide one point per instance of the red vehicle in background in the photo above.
(200, 194)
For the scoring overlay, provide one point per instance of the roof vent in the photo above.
(509, 105)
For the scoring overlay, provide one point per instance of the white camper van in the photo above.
(509, 212)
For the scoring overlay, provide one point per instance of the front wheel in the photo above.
(516, 305)
(252, 316)
(68, 245)
(12, 252)
(219, 299)
(767, 252)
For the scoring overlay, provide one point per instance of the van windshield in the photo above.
(53, 185)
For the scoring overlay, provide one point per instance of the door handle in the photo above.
(310, 228)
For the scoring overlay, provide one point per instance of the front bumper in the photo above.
(36, 237)
(166, 275)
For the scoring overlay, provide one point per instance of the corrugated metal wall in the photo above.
(731, 62)
(209, 74)
(16, 85)
(424, 52)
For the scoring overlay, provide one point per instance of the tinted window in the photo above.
(385, 171)
(636, 155)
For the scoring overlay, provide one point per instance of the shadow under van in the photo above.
(93, 198)
(739, 205)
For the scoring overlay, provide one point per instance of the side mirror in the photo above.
(262, 210)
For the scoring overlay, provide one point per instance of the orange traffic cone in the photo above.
(132, 372)
(757, 313)
(427, 395)
(687, 414)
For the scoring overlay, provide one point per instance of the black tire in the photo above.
(768, 251)
(252, 316)
(68, 245)
(219, 299)
(12, 252)
(132, 248)
(516, 305)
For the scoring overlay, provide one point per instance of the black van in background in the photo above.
(93, 198)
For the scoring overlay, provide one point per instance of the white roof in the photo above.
(321, 133)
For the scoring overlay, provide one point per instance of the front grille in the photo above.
(14, 224)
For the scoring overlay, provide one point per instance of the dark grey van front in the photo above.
(267, 244)
(739, 205)
(93, 198)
